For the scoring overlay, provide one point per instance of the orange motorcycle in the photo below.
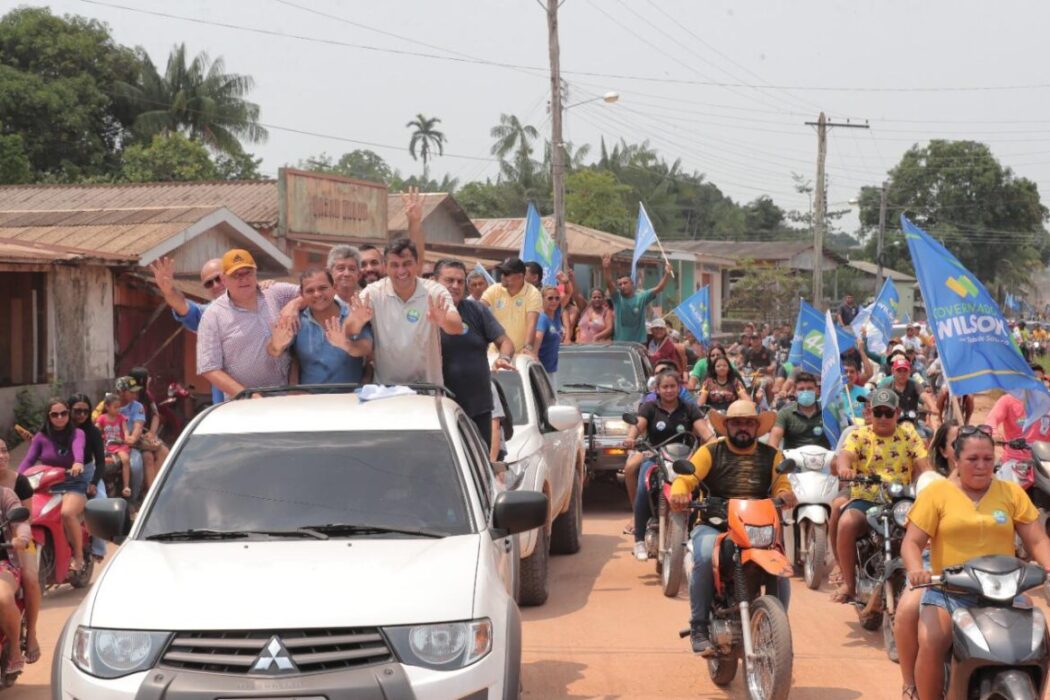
(747, 620)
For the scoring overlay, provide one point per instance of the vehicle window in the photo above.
(543, 381)
(480, 467)
(540, 391)
(284, 481)
(612, 369)
(513, 389)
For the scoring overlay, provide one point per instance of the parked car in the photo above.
(309, 546)
(605, 380)
(546, 454)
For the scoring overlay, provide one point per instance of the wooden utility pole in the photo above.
(557, 146)
(821, 204)
(882, 236)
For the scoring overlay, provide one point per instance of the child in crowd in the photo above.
(114, 431)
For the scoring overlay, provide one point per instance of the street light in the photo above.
(558, 166)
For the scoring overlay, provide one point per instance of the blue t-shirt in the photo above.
(134, 413)
(551, 330)
(192, 321)
(630, 315)
(320, 362)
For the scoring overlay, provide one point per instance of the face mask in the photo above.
(807, 398)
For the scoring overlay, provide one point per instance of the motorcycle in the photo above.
(50, 535)
(999, 648)
(174, 414)
(809, 470)
(880, 574)
(667, 532)
(19, 514)
(744, 623)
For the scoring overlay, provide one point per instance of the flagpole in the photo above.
(661, 245)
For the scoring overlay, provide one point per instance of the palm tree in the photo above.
(198, 98)
(426, 138)
(513, 136)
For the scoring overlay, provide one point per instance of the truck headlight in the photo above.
(106, 653)
(443, 646)
(615, 426)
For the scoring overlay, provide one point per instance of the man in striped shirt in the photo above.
(236, 327)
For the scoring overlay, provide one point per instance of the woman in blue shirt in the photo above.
(548, 332)
(325, 354)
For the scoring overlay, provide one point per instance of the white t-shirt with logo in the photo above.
(407, 345)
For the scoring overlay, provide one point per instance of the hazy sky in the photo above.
(892, 63)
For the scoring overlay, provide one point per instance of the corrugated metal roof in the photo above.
(871, 269)
(30, 252)
(583, 241)
(753, 250)
(253, 201)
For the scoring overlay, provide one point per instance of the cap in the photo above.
(658, 323)
(127, 384)
(512, 266)
(237, 259)
(883, 397)
(901, 362)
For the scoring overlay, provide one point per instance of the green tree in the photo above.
(237, 166)
(362, 164)
(493, 200)
(14, 165)
(425, 139)
(963, 196)
(198, 98)
(596, 199)
(56, 93)
(765, 293)
(513, 137)
(168, 158)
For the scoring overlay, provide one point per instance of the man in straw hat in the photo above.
(735, 465)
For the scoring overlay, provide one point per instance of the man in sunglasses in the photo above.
(893, 452)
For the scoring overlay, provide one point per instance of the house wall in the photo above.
(80, 321)
(439, 227)
(192, 255)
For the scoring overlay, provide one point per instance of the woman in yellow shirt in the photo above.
(969, 514)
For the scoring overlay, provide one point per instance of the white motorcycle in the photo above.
(815, 488)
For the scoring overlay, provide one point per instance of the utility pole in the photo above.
(557, 147)
(882, 236)
(821, 203)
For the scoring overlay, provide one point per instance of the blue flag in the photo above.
(695, 314)
(795, 354)
(972, 337)
(538, 246)
(831, 388)
(644, 236)
(809, 334)
(488, 278)
(883, 313)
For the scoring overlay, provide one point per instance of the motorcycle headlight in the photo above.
(759, 535)
(106, 653)
(998, 586)
(900, 511)
(443, 646)
(615, 426)
(35, 480)
(968, 626)
(814, 463)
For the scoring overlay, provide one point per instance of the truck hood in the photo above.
(603, 403)
(365, 581)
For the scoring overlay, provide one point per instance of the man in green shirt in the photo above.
(801, 422)
(629, 303)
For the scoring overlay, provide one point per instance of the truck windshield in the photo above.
(278, 482)
(608, 369)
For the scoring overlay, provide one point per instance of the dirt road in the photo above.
(607, 630)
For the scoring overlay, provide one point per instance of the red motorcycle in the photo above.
(175, 411)
(50, 535)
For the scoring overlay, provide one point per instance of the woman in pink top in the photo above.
(596, 321)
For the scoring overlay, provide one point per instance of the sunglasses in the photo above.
(208, 284)
(968, 430)
(58, 414)
(882, 412)
(553, 298)
(81, 411)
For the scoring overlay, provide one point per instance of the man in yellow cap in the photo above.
(236, 327)
(735, 465)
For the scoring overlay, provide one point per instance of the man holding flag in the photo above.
(629, 304)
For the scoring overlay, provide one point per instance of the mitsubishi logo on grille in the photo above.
(274, 659)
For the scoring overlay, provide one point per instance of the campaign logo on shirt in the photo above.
(466, 328)
(519, 302)
(1000, 516)
(412, 315)
(661, 425)
(679, 428)
(818, 431)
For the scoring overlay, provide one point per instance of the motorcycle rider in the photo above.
(734, 466)
(20, 535)
(658, 421)
(800, 422)
(884, 448)
(1007, 418)
(909, 392)
(969, 514)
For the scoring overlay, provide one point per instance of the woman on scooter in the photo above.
(59, 444)
(19, 535)
(94, 456)
(32, 594)
(906, 619)
(722, 386)
(660, 420)
(969, 514)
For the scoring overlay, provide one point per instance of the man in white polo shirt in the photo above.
(407, 313)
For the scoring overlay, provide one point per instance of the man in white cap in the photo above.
(735, 465)
(662, 347)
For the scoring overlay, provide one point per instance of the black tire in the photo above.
(771, 635)
(674, 562)
(722, 669)
(82, 579)
(534, 586)
(568, 527)
(814, 567)
(46, 563)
